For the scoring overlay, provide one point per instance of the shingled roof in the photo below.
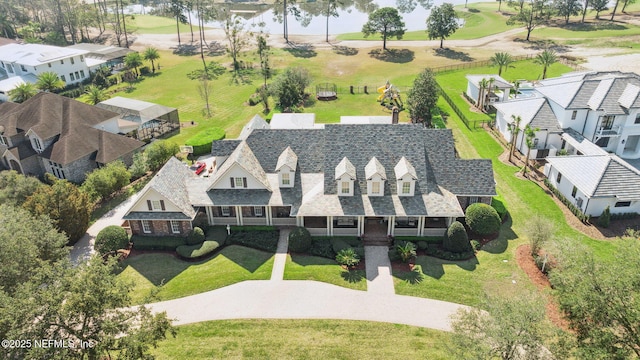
(288, 158)
(374, 168)
(245, 158)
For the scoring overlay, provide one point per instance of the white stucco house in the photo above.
(335, 179)
(498, 92)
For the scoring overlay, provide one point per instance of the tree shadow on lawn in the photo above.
(301, 50)
(399, 56)
(434, 268)
(353, 276)
(215, 48)
(248, 258)
(344, 50)
(544, 44)
(185, 50)
(500, 244)
(413, 277)
(453, 54)
(306, 260)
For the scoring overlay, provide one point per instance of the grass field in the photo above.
(302, 267)
(178, 278)
(303, 339)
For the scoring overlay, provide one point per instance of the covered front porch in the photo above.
(375, 225)
(250, 215)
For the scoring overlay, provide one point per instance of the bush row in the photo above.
(235, 228)
(347, 242)
(261, 240)
(574, 209)
(198, 250)
(202, 141)
(418, 239)
(439, 253)
(321, 246)
(624, 216)
(166, 243)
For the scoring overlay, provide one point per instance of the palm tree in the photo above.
(529, 135)
(133, 61)
(482, 86)
(151, 54)
(546, 59)
(515, 130)
(516, 88)
(23, 92)
(49, 82)
(95, 94)
(502, 60)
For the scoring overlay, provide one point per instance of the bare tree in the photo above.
(205, 89)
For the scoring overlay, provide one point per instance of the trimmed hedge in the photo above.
(299, 240)
(482, 219)
(457, 240)
(202, 141)
(157, 242)
(261, 240)
(574, 209)
(624, 216)
(339, 243)
(235, 228)
(448, 255)
(196, 236)
(198, 250)
(417, 239)
(321, 246)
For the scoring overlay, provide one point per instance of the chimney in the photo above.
(395, 115)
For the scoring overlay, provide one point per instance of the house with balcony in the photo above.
(54, 134)
(339, 179)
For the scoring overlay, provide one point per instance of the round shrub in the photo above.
(422, 245)
(482, 219)
(605, 218)
(201, 141)
(456, 240)
(111, 239)
(299, 240)
(196, 236)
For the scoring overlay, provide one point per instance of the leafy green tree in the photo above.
(501, 60)
(67, 206)
(546, 59)
(483, 85)
(15, 188)
(456, 239)
(159, 152)
(111, 239)
(87, 303)
(423, 97)
(508, 328)
(263, 53)
(211, 72)
(177, 10)
(600, 297)
(605, 218)
(567, 8)
(23, 92)
(27, 242)
(151, 54)
(237, 38)
(539, 230)
(95, 94)
(482, 219)
(99, 77)
(442, 22)
(624, 6)
(288, 88)
(385, 21)
(532, 14)
(102, 182)
(139, 166)
(133, 60)
(600, 6)
(49, 82)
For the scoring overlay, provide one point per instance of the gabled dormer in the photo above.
(345, 177)
(376, 176)
(36, 142)
(286, 168)
(405, 177)
(241, 170)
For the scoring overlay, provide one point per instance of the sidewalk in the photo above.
(277, 272)
(379, 279)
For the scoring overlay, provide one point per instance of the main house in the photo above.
(53, 134)
(586, 124)
(336, 179)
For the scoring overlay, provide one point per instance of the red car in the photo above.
(200, 167)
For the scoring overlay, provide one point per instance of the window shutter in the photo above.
(244, 182)
(162, 205)
(149, 205)
(233, 184)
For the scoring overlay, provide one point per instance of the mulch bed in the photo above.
(540, 280)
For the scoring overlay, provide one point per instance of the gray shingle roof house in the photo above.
(64, 137)
(337, 180)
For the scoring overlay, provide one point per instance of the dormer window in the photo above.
(238, 182)
(286, 167)
(36, 144)
(345, 176)
(155, 205)
(406, 177)
(376, 176)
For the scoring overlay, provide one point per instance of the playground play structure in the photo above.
(390, 96)
(326, 92)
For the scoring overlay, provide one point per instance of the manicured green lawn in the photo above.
(303, 339)
(180, 278)
(150, 24)
(588, 30)
(302, 267)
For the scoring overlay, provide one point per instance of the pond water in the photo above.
(351, 16)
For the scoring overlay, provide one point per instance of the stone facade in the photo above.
(160, 228)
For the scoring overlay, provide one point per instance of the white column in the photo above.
(450, 221)
(392, 225)
(329, 225)
(239, 215)
(360, 225)
(299, 221)
(268, 215)
(208, 210)
(420, 225)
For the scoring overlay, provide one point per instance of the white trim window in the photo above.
(35, 142)
(375, 187)
(226, 210)
(406, 187)
(175, 226)
(239, 182)
(257, 211)
(345, 187)
(286, 180)
(156, 205)
(146, 226)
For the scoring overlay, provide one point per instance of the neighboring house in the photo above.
(147, 120)
(163, 206)
(22, 60)
(593, 182)
(497, 92)
(294, 121)
(105, 55)
(339, 179)
(53, 134)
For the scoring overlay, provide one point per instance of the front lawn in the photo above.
(306, 267)
(180, 278)
(303, 339)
